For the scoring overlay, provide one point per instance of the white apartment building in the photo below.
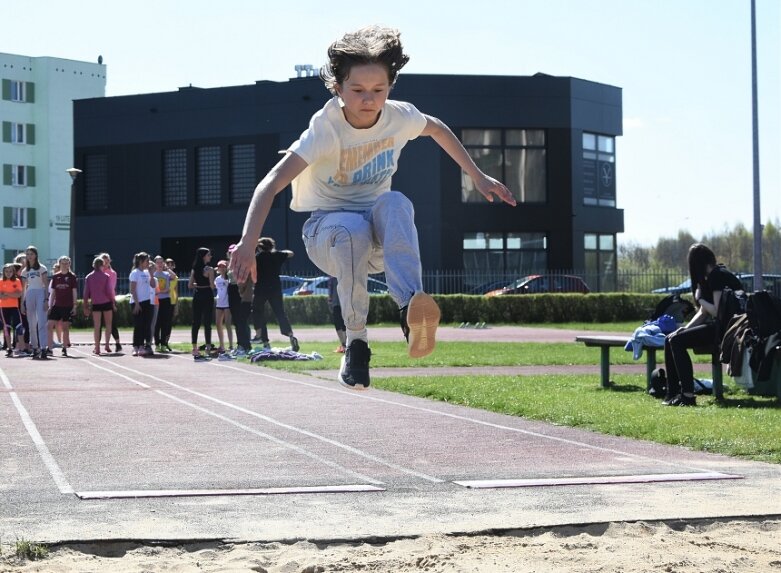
(36, 149)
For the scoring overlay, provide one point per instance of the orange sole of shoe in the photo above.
(423, 319)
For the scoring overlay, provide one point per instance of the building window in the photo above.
(242, 170)
(207, 189)
(18, 133)
(516, 157)
(19, 217)
(18, 91)
(174, 177)
(599, 170)
(505, 252)
(19, 175)
(95, 182)
(600, 260)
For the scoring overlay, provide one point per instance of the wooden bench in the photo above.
(606, 342)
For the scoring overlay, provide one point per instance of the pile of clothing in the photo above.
(751, 345)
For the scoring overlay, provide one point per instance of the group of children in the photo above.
(36, 306)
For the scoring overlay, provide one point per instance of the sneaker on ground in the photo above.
(354, 372)
(239, 353)
(117, 347)
(680, 400)
(225, 357)
(419, 322)
(294, 343)
(256, 338)
(201, 358)
(56, 344)
(45, 352)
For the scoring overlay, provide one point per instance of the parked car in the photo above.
(770, 283)
(534, 284)
(684, 287)
(319, 285)
(290, 284)
(485, 288)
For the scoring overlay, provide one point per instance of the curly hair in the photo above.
(370, 45)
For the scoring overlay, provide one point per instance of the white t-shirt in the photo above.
(34, 277)
(143, 290)
(222, 291)
(348, 167)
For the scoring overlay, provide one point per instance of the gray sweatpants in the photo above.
(351, 244)
(36, 317)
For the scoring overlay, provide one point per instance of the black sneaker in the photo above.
(44, 354)
(200, 358)
(354, 372)
(35, 355)
(681, 400)
(117, 347)
(64, 351)
(257, 338)
(294, 343)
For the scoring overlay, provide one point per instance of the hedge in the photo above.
(512, 309)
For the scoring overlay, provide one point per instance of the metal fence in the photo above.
(476, 282)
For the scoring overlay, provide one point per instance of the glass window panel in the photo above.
(174, 177)
(242, 170)
(481, 137)
(590, 242)
(525, 174)
(589, 141)
(495, 241)
(606, 243)
(207, 189)
(474, 241)
(525, 137)
(605, 144)
(96, 182)
(490, 162)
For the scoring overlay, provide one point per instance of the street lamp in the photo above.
(74, 173)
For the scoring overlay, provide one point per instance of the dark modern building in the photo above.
(169, 172)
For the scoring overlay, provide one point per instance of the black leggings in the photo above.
(680, 373)
(142, 325)
(203, 313)
(165, 315)
(240, 316)
(274, 298)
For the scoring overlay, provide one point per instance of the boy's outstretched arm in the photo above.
(242, 261)
(446, 139)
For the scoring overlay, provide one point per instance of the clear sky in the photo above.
(684, 161)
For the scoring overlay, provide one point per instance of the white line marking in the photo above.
(48, 460)
(364, 396)
(270, 420)
(217, 492)
(263, 435)
(595, 480)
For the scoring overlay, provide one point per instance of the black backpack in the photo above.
(764, 314)
(680, 309)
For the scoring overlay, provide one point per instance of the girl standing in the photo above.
(202, 283)
(112, 275)
(98, 290)
(10, 293)
(142, 290)
(223, 319)
(36, 280)
(62, 301)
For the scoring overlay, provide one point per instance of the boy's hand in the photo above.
(488, 187)
(242, 262)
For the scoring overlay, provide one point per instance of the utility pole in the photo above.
(755, 129)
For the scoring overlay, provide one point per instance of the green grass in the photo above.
(742, 425)
(26, 549)
(394, 354)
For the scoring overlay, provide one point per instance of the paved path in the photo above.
(117, 447)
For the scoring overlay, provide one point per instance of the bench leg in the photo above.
(718, 377)
(650, 365)
(605, 366)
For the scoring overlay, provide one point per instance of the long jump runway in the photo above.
(117, 447)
